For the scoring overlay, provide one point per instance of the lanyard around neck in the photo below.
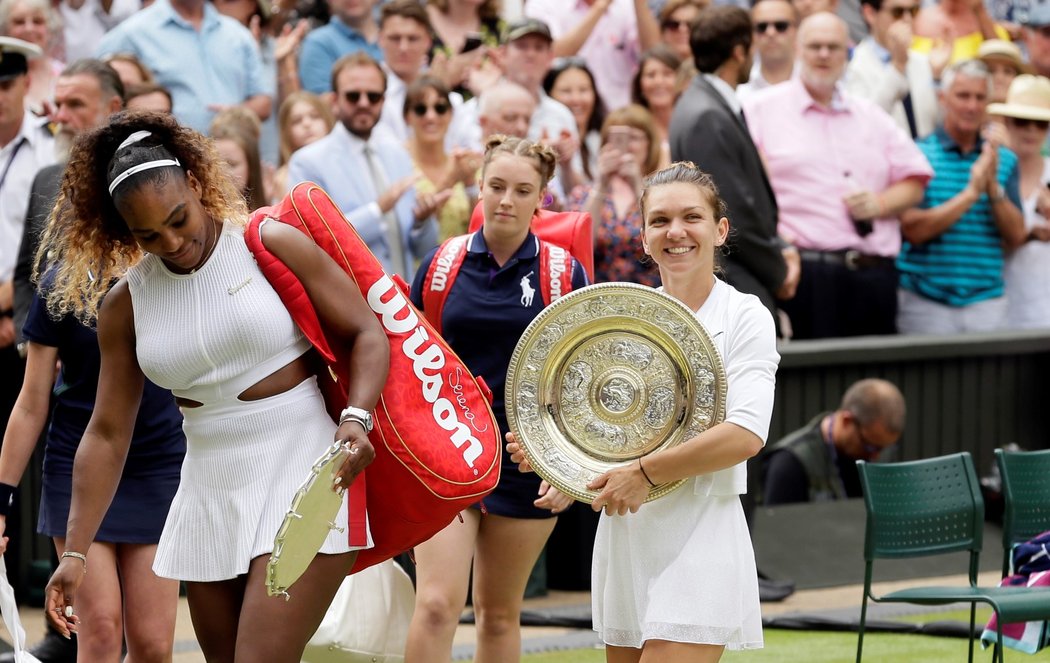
(14, 154)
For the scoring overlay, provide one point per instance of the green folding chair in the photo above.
(1026, 494)
(932, 507)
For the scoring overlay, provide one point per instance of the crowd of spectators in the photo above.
(866, 124)
(884, 162)
(869, 189)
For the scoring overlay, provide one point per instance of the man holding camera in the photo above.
(842, 171)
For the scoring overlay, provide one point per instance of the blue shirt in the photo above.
(964, 265)
(157, 443)
(324, 46)
(338, 165)
(218, 65)
(484, 315)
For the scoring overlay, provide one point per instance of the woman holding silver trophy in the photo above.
(147, 197)
(673, 579)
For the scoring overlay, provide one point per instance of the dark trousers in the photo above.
(12, 371)
(835, 300)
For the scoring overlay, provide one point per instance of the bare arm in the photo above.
(347, 319)
(102, 450)
(902, 196)
(648, 28)
(260, 104)
(572, 41)
(29, 415)
(725, 445)
(922, 225)
(104, 447)
(1010, 222)
(27, 421)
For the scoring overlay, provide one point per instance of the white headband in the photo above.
(158, 163)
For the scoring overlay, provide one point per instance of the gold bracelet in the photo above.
(75, 555)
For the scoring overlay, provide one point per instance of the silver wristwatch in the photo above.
(363, 417)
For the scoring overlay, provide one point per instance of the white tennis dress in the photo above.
(682, 568)
(208, 336)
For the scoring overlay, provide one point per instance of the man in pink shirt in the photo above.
(842, 172)
(608, 34)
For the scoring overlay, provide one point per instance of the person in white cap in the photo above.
(1026, 112)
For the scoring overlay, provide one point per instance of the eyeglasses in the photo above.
(780, 26)
(1024, 123)
(354, 96)
(421, 109)
(898, 12)
(672, 24)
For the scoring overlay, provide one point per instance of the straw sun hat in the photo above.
(1028, 99)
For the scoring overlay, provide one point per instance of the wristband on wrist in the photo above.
(645, 474)
(7, 498)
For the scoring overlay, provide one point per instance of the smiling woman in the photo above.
(428, 114)
(191, 310)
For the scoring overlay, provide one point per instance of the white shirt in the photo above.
(1026, 272)
(32, 149)
(84, 27)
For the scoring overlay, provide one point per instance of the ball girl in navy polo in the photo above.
(494, 297)
(122, 581)
(150, 199)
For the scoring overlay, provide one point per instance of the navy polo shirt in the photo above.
(488, 309)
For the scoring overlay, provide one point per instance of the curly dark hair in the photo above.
(86, 245)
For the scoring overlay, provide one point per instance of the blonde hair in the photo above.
(86, 245)
(543, 158)
(637, 117)
(284, 115)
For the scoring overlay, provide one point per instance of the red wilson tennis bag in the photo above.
(436, 442)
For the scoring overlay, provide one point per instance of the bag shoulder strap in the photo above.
(441, 274)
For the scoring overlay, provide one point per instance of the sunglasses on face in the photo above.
(1024, 123)
(421, 109)
(672, 24)
(898, 12)
(780, 26)
(354, 96)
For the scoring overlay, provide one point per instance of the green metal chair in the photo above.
(933, 507)
(1026, 493)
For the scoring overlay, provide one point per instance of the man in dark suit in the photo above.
(708, 128)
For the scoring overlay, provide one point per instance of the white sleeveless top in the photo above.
(209, 335)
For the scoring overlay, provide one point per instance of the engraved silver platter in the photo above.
(608, 374)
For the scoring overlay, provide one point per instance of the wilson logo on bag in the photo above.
(436, 441)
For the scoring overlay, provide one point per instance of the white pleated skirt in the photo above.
(682, 569)
(245, 460)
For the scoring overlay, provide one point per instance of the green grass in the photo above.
(785, 646)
